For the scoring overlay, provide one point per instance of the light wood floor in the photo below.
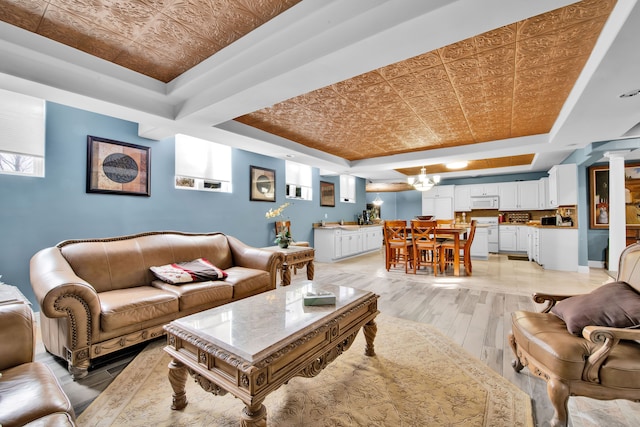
(473, 311)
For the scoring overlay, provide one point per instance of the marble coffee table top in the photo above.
(254, 327)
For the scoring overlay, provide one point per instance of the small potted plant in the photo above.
(283, 238)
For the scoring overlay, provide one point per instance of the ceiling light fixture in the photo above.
(457, 165)
(423, 182)
(378, 201)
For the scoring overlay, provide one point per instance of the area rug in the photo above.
(418, 377)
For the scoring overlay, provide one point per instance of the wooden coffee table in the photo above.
(296, 257)
(251, 347)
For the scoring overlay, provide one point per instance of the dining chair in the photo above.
(281, 224)
(425, 245)
(448, 246)
(444, 223)
(398, 246)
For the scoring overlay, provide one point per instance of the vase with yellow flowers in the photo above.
(283, 237)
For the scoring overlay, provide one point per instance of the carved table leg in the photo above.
(370, 329)
(310, 270)
(254, 416)
(286, 275)
(178, 378)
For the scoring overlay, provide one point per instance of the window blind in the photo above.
(22, 127)
(199, 158)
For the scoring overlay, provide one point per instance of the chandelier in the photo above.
(378, 201)
(423, 182)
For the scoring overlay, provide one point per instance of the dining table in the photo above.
(448, 230)
(456, 231)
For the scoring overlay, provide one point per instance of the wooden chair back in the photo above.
(395, 231)
(445, 222)
(281, 224)
(472, 233)
(423, 232)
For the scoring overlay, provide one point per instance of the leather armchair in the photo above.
(30, 393)
(603, 363)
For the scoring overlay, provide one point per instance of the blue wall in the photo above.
(40, 212)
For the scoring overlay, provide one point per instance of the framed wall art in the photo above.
(327, 194)
(599, 195)
(263, 184)
(115, 167)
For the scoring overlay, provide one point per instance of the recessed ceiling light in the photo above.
(630, 93)
(457, 165)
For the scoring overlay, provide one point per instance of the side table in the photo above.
(296, 257)
(11, 295)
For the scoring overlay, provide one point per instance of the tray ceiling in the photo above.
(503, 84)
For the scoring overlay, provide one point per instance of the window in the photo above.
(347, 188)
(22, 134)
(202, 165)
(298, 179)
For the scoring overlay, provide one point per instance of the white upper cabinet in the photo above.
(476, 190)
(563, 185)
(508, 196)
(543, 194)
(439, 191)
(520, 195)
(462, 198)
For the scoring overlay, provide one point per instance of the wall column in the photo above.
(617, 212)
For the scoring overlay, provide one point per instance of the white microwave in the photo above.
(487, 202)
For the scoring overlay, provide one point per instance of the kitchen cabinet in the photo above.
(440, 207)
(372, 238)
(334, 243)
(462, 198)
(476, 190)
(558, 248)
(351, 242)
(508, 238)
(522, 238)
(480, 244)
(543, 194)
(519, 195)
(563, 185)
(439, 191)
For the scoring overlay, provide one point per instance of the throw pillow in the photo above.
(614, 304)
(198, 270)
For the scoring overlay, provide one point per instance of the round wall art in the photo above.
(117, 167)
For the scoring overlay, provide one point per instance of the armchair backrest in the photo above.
(629, 267)
(17, 335)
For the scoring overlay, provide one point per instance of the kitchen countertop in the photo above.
(538, 225)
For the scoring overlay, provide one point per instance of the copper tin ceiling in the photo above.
(498, 162)
(161, 39)
(505, 83)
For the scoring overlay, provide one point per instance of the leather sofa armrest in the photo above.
(61, 293)
(608, 338)
(252, 257)
(17, 335)
(550, 299)
(53, 280)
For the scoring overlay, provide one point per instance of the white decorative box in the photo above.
(318, 297)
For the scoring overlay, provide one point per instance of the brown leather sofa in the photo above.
(588, 345)
(98, 296)
(30, 394)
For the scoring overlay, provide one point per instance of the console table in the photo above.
(296, 257)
